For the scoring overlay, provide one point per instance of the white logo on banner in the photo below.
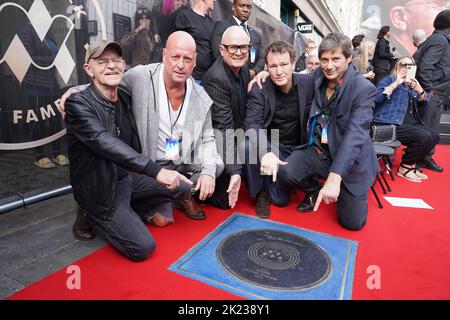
(19, 60)
(17, 56)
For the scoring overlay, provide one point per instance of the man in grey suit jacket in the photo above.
(241, 12)
(171, 109)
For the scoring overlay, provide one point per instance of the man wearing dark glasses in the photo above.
(226, 83)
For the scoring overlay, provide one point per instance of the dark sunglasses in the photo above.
(404, 64)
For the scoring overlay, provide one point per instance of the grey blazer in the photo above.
(198, 145)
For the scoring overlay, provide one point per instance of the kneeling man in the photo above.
(339, 147)
(112, 181)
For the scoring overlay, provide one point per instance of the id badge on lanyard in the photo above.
(252, 55)
(324, 137)
(172, 148)
(173, 143)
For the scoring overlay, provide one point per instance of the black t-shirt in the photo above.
(286, 116)
(201, 29)
(240, 89)
(323, 118)
(411, 115)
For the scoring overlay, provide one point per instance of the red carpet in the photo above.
(410, 246)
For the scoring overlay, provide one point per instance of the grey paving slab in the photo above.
(23, 218)
(9, 286)
(54, 262)
(35, 242)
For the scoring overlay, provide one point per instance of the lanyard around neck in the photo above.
(179, 111)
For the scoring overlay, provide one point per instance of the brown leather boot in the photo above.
(81, 229)
(190, 208)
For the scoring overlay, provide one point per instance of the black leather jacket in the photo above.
(95, 151)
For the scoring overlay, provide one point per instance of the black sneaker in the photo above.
(262, 205)
(430, 164)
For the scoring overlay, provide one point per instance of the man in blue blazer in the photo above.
(275, 122)
(339, 147)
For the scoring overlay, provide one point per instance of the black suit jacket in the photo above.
(226, 113)
(255, 39)
(433, 63)
(300, 65)
(352, 152)
(261, 108)
(382, 56)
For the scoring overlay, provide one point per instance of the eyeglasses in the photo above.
(405, 64)
(231, 48)
(103, 62)
(314, 64)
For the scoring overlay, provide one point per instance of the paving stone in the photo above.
(41, 268)
(9, 286)
(35, 242)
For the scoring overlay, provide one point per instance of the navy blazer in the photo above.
(261, 105)
(352, 152)
(255, 39)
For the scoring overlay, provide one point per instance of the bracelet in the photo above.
(422, 93)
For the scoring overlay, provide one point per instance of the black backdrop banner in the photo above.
(42, 47)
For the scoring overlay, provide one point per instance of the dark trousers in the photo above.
(279, 191)
(219, 198)
(418, 139)
(306, 162)
(135, 195)
(431, 114)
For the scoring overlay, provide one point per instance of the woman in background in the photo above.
(361, 60)
(143, 42)
(382, 57)
(396, 103)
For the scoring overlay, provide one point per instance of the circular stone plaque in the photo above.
(274, 259)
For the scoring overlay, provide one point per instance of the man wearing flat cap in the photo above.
(117, 186)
